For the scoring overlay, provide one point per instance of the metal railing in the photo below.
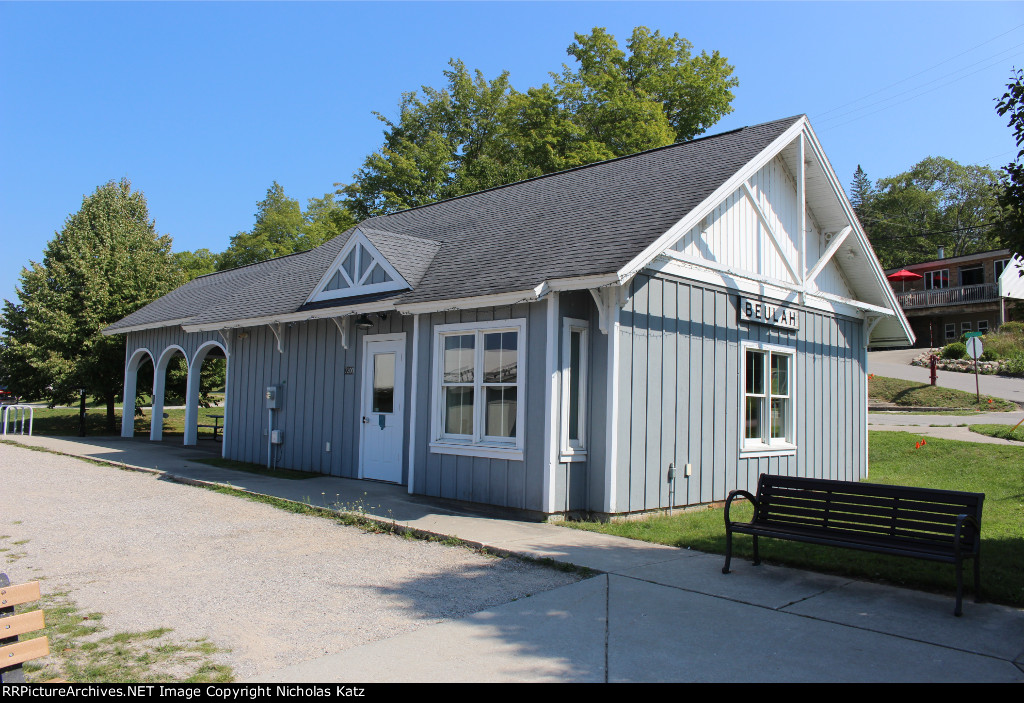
(979, 293)
(14, 416)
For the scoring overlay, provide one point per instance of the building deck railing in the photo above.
(980, 293)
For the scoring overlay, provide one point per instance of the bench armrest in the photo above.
(735, 494)
(961, 520)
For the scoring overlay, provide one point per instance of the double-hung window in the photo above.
(768, 399)
(479, 382)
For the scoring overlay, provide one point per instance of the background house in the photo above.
(953, 296)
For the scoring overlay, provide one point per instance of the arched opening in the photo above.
(141, 360)
(207, 389)
(168, 384)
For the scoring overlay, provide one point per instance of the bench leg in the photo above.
(757, 556)
(728, 551)
(977, 578)
(959, 610)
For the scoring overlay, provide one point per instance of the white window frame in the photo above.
(980, 323)
(767, 445)
(569, 449)
(965, 326)
(478, 444)
(951, 331)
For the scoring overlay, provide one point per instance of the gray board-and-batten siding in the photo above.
(680, 396)
(678, 400)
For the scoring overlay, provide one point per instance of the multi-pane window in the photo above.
(1000, 266)
(936, 279)
(574, 388)
(767, 398)
(965, 327)
(479, 384)
(983, 326)
(950, 330)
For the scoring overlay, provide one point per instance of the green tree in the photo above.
(1011, 195)
(106, 262)
(861, 192)
(938, 202)
(282, 228)
(478, 133)
(196, 263)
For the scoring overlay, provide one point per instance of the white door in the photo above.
(382, 420)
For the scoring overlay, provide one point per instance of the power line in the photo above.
(943, 83)
(904, 80)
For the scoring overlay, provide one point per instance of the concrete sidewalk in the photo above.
(653, 613)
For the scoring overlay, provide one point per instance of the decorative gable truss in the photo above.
(360, 269)
(782, 227)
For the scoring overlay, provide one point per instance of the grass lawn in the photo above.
(995, 470)
(911, 394)
(63, 422)
(1001, 431)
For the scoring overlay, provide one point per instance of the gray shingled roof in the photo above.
(589, 220)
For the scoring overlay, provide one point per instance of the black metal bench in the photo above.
(925, 523)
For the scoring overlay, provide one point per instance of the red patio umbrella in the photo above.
(904, 275)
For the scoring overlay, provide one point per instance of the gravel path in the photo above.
(273, 587)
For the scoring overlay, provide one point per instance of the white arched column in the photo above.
(195, 368)
(131, 379)
(156, 428)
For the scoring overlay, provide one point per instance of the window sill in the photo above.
(751, 451)
(571, 455)
(485, 451)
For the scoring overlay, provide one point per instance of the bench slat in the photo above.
(13, 625)
(20, 652)
(882, 525)
(945, 507)
(21, 593)
(877, 508)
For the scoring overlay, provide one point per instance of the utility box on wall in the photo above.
(276, 436)
(273, 393)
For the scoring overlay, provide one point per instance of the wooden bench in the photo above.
(12, 652)
(925, 523)
(216, 427)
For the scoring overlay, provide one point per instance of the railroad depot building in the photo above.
(640, 333)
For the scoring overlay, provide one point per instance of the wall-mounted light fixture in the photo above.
(363, 322)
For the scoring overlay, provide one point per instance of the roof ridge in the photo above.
(590, 165)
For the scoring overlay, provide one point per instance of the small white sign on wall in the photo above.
(769, 314)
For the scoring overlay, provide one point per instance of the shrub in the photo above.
(956, 350)
(989, 355)
(1012, 328)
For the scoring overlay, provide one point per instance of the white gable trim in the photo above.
(355, 288)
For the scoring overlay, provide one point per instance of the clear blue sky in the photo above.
(203, 105)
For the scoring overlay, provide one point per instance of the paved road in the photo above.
(654, 613)
(896, 364)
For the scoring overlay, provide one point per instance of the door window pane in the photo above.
(383, 383)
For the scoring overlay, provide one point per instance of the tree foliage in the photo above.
(106, 262)
(282, 228)
(938, 202)
(477, 133)
(1011, 196)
